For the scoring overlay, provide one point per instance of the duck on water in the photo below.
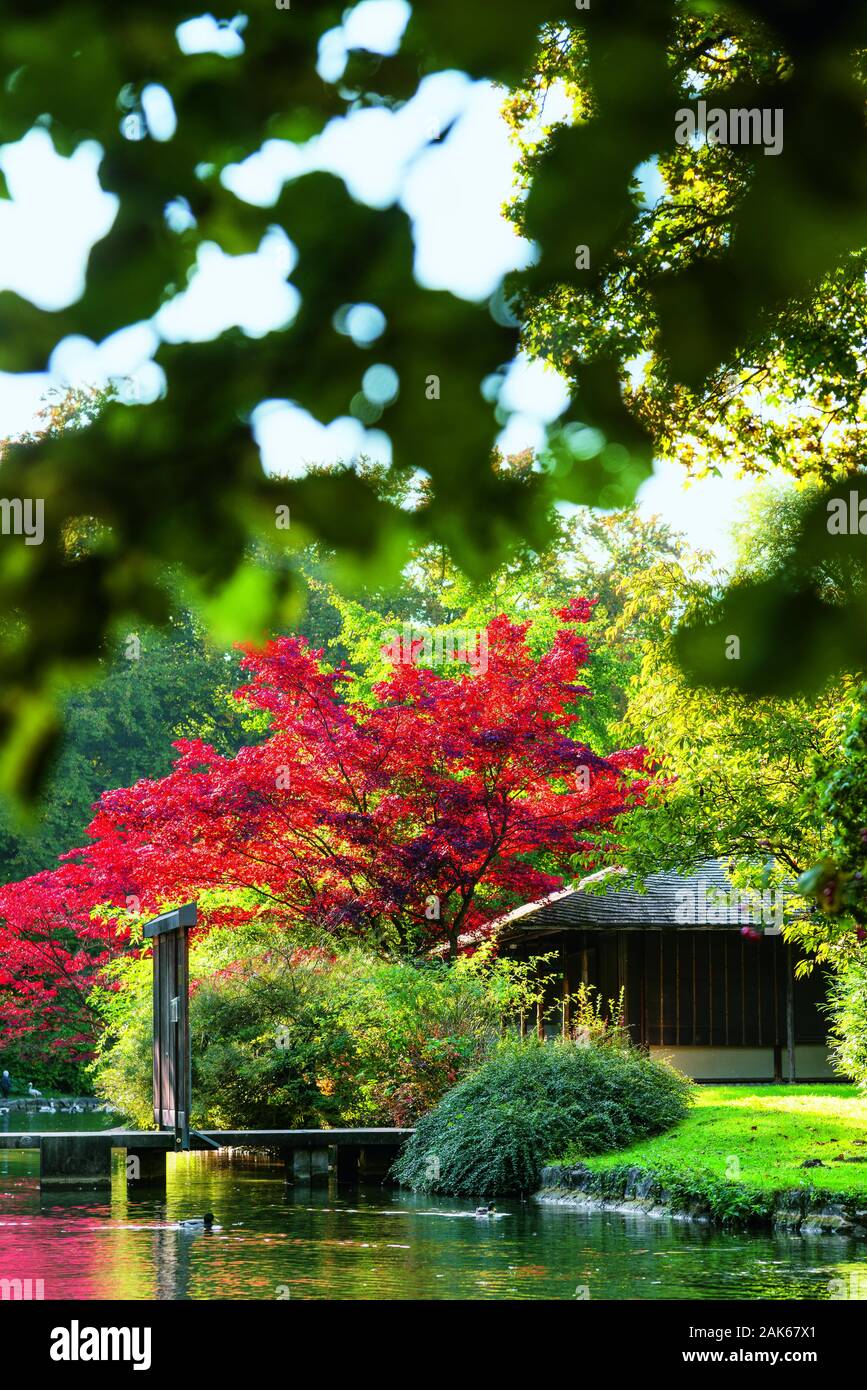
(199, 1223)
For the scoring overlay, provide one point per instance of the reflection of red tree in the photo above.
(351, 816)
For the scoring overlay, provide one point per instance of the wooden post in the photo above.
(320, 1167)
(348, 1161)
(623, 971)
(790, 1013)
(564, 966)
(79, 1160)
(375, 1163)
(301, 1165)
(171, 1044)
(146, 1167)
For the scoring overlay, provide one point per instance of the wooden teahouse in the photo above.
(719, 1003)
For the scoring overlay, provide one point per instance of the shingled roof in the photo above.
(661, 905)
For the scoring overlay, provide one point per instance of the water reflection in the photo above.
(279, 1241)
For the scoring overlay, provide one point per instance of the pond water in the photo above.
(278, 1241)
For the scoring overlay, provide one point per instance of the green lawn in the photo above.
(759, 1135)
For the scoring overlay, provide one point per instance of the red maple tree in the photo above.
(408, 822)
(52, 948)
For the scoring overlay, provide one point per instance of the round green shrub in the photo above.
(493, 1132)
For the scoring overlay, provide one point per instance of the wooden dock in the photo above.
(82, 1159)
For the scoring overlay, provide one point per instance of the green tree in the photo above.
(157, 686)
(740, 774)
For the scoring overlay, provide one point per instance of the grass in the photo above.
(759, 1136)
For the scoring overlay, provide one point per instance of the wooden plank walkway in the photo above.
(223, 1138)
(82, 1158)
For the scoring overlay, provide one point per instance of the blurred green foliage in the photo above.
(748, 271)
(726, 286)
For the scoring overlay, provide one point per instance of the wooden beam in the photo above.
(743, 991)
(172, 1067)
(694, 995)
(564, 966)
(136, 1140)
(726, 985)
(676, 990)
(184, 916)
(623, 972)
(710, 1038)
(661, 1038)
(790, 1013)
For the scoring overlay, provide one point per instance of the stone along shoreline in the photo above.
(805, 1211)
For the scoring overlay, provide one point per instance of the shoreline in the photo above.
(637, 1191)
(87, 1104)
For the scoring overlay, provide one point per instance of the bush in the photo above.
(495, 1130)
(847, 1009)
(291, 1037)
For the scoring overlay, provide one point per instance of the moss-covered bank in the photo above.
(794, 1157)
(702, 1197)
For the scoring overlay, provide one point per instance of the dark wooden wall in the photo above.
(692, 988)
